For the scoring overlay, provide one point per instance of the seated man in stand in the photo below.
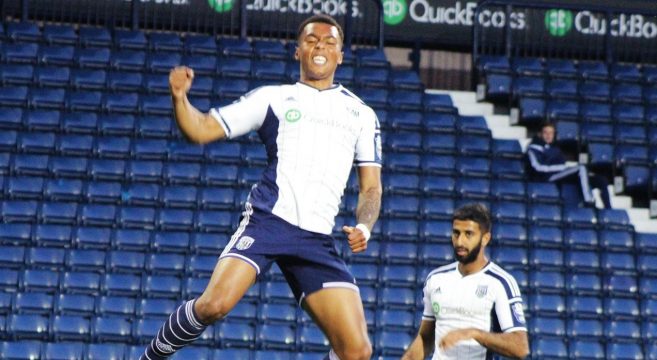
(549, 164)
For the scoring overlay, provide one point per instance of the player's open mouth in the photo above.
(319, 60)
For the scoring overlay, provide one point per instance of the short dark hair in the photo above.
(548, 124)
(476, 212)
(321, 18)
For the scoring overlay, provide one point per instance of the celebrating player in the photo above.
(313, 132)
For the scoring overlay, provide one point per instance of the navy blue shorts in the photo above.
(308, 260)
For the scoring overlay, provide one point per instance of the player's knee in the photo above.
(211, 310)
(361, 350)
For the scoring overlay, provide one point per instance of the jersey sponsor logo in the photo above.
(165, 348)
(292, 115)
(436, 308)
(518, 312)
(244, 243)
(481, 291)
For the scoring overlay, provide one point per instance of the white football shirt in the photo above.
(312, 138)
(488, 300)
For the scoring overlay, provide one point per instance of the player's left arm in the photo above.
(511, 344)
(367, 210)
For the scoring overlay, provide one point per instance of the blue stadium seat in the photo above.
(405, 79)
(23, 31)
(160, 41)
(32, 303)
(269, 49)
(437, 208)
(165, 263)
(21, 350)
(543, 259)
(473, 188)
(104, 192)
(56, 55)
(107, 351)
(647, 264)
(621, 285)
(74, 304)
(9, 279)
(93, 57)
(15, 234)
(545, 192)
(631, 155)
(19, 211)
(45, 258)
(92, 237)
(70, 327)
(586, 261)
(410, 163)
(510, 257)
(589, 349)
(545, 327)
(64, 350)
(437, 185)
(77, 145)
(628, 114)
(85, 260)
(494, 64)
(562, 89)
(146, 171)
(28, 326)
(627, 93)
(12, 118)
(375, 97)
(595, 91)
(625, 72)
(584, 284)
(593, 70)
(121, 284)
(557, 110)
(371, 57)
(75, 282)
(439, 122)
(619, 240)
(620, 308)
(200, 44)
(528, 66)
(498, 87)
(531, 111)
(136, 217)
(162, 286)
(25, 187)
(276, 336)
(233, 68)
(613, 262)
(115, 306)
(114, 329)
(438, 143)
(561, 68)
(59, 34)
(550, 281)
(509, 212)
(126, 261)
(162, 62)
(528, 86)
(547, 304)
(130, 60)
(144, 330)
(392, 342)
(621, 350)
(311, 338)
(544, 214)
(371, 77)
(19, 52)
(12, 256)
(585, 307)
(398, 297)
(622, 329)
(549, 348)
(237, 47)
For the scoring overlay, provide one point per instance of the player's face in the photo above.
(467, 240)
(548, 134)
(319, 52)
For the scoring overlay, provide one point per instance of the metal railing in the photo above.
(362, 20)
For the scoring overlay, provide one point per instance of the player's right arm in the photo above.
(198, 127)
(424, 342)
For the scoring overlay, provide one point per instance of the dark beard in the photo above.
(471, 256)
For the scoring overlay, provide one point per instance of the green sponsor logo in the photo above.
(221, 6)
(436, 308)
(394, 11)
(292, 115)
(558, 22)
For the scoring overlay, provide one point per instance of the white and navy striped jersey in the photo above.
(312, 138)
(488, 300)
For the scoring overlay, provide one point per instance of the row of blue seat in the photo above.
(593, 349)
(532, 110)
(34, 350)
(567, 69)
(86, 36)
(122, 75)
(160, 104)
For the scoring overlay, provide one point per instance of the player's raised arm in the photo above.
(198, 127)
(423, 344)
(367, 210)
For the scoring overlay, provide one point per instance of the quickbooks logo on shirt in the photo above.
(436, 308)
(558, 22)
(292, 115)
(221, 6)
(394, 11)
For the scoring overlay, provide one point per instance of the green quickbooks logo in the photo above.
(436, 308)
(292, 115)
(558, 22)
(221, 6)
(394, 11)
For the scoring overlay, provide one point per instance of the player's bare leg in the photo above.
(230, 280)
(339, 313)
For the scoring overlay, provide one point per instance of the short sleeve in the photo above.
(427, 313)
(368, 146)
(246, 114)
(509, 308)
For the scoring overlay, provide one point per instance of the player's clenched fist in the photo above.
(180, 80)
(356, 238)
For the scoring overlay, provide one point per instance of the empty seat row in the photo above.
(567, 69)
